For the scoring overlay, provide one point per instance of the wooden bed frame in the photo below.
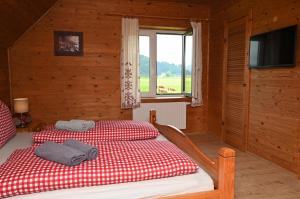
(222, 170)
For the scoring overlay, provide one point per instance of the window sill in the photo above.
(165, 99)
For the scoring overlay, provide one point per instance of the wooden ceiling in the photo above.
(16, 16)
(189, 1)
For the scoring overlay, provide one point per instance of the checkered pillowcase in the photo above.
(105, 130)
(7, 127)
(117, 162)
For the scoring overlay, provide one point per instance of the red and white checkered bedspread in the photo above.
(105, 130)
(117, 162)
(7, 126)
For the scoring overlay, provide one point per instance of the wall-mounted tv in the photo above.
(274, 49)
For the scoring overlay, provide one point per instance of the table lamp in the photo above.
(21, 109)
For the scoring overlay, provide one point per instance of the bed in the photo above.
(221, 170)
(199, 181)
(198, 185)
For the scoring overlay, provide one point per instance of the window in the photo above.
(254, 52)
(165, 63)
(188, 64)
(144, 46)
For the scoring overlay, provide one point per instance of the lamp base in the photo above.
(23, 125)
(22, 120)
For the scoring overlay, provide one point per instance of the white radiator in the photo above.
(169, 113)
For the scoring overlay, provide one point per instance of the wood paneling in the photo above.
(235, 83)
(89, 86)
(216, 50)
(274, 115)
(274, 93)
(17, 16)
(4, 80)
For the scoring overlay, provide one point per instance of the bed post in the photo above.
(226, 173)
(222, 171)
(152, 116)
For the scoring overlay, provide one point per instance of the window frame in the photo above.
(187, 33)
(152, 34)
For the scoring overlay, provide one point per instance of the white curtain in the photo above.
(197, 65)
(130, 89)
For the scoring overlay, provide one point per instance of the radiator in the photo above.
(171, 113)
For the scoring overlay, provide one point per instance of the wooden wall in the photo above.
(4, 77)
(89, 86)
(274, 116)
(15, 18)
(216, 50)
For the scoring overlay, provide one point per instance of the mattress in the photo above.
(199, 181)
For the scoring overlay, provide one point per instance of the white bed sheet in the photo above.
(19, 141)
(196, 182)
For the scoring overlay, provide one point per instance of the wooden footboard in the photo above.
(221, 170)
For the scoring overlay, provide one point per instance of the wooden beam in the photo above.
(155, 17)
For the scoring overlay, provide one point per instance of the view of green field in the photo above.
(169, 63)
(166, 84)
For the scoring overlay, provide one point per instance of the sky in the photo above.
(169, 48)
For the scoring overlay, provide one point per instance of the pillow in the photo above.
(7, 126)
(105, 130)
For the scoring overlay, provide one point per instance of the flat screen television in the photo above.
(274, 49)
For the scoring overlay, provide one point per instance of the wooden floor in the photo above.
(256, 177)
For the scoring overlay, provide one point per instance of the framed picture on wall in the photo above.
(68, 43)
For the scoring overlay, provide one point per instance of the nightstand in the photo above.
(32, 127)
(24, 130)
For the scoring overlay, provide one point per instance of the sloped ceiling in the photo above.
(16, 16)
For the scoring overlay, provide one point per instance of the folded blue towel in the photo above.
(75, 125)
(90, 151)
(89, 122)
(60, 153)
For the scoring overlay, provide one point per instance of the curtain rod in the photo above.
(154, 17)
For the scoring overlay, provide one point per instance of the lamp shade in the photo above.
(21, 105)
